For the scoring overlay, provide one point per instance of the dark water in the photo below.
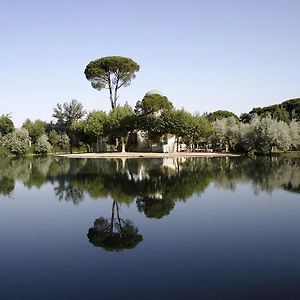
(221, 228)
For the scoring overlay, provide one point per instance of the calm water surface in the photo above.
(217, 228)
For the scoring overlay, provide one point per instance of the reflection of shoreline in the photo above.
(146, 155)
(167, 178)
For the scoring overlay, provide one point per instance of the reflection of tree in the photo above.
(291, 188)
(114, 234)
(66, 191)
(155, 207)
(265, 174)
(7, 185)
(156, 184)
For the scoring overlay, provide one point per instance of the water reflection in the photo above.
(114, 233)
(153, 184)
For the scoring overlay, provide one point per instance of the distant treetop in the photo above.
(6, 124)
(286, 111)
(153, 102)
(220, 114)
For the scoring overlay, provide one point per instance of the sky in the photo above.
(203, 55)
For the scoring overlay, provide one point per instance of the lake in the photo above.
(198, 228)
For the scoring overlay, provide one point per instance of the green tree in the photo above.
(95, 125)
(121, 121)
(78, 129)
(6, 124)
(292, 106)
(35, 129)
(153, 103)
(111, 72)
(53, 137)
(93, 129)
(280, 114)
(66, 115)
(286, 111)
(63, 141)
(177, 122)
(220, 114)
(196, 129)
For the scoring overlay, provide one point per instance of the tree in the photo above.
(53, 137)
(286, 111)
(95, 125)
(196, 129)
(111, 72)
(295, 134)
(63, 141)
(226, 133)
(66, 115)
(153, 103)
(18, 141)
(78, 128)
(266, 133)
(220, 114)
(120, 123)
(177, 122)
(93, 129)
(6, 124)
(35, 129)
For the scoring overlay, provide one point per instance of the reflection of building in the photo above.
(165, 165)
(141, 174)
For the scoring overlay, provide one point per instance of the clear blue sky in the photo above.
(204, 55)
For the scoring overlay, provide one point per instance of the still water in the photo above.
(205, 228)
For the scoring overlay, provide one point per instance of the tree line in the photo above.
(265, 129)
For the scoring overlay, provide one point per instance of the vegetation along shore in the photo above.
(153, 126)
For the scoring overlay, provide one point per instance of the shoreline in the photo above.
(146, 155)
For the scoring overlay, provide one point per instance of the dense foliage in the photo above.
(286, 111)
(35, 129)
(6, 124)
(42, 146)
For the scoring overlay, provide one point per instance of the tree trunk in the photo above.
(112, 218)
(111, 93)
(115, 96)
